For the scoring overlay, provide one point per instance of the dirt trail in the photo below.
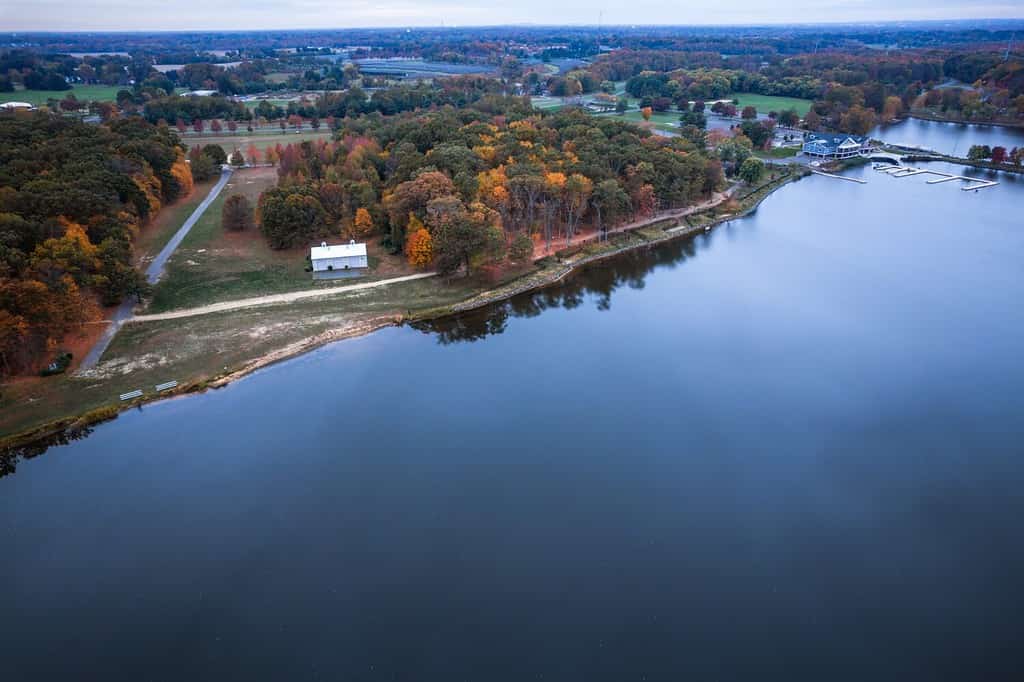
(557, 244)
(274, 298)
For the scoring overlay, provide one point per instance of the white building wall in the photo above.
(350, 262)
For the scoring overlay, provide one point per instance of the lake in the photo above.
(786, 449)
(954, 139)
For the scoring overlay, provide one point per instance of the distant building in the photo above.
(338, 257)
(200, 93)
(9, 106)
(836, 146)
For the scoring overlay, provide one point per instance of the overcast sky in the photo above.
(62, 15)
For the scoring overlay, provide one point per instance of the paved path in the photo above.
(274, 298)
(153, 272)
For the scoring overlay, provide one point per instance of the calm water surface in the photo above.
(954, 139)
(788, 449)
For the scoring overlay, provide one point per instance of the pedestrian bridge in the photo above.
(882, 156)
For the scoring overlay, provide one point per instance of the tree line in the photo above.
(460, 188)
(72, 198)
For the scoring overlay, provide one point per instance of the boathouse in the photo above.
(342, 257)
(836, 146)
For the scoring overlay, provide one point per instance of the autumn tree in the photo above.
(413, 197)
(237, 213)
(363, 223)
(749, 113)
(751, 170)
(646, 113)
(419, 248)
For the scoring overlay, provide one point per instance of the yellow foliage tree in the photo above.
(646, 113)
(363, 222)
(419, 248)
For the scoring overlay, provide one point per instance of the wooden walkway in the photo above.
(838, 177)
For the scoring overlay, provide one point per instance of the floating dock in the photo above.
(906, 171)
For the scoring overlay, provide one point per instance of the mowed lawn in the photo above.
(84, 93)
(241, 139)
(212, 264)
(159, 231)
(766, 103)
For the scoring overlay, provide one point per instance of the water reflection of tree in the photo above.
(9, 457)
(598, 281)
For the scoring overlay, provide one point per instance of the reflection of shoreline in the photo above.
(35, 441)
(923, 116)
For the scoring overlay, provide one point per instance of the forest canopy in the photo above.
(72, 198)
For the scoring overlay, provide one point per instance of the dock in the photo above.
(838, 177)
(898, 171)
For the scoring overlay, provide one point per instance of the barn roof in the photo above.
(336, 251)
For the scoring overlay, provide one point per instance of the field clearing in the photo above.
(214, 265)
(261, 139)
(85, 93)
(663, 120)
(766, 103)
(156, 234)
(545, 102)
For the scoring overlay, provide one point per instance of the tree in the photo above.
(363, 223)
(237, 159)
(622, 105)
(521, 250)
(979, 152)
(610, 202)
(789, 118)
(749, 113)
(237, 213)
(811, 120)
(751, 170)
(646, 113)
(892, 109)
(998, 154)
(216, 154)
(419, 248)
(202, 168)
(232, 125)
(215, 126)
(197, 125)
(290, 216)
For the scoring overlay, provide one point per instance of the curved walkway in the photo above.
(153, 272)
(274, 298)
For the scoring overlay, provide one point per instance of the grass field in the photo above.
(213, 265)
(85, 93)
(155, 236)
(778, 153)
(267, 137)
(766, 103)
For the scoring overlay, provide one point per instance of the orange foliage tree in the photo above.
(419, 248)
(363, 224)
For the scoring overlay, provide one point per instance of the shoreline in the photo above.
(937, 119)
(62, 430)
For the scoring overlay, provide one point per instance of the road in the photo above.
(274, 298)
(153, 273)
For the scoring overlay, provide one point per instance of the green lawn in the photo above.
(262, 138)
(766, 103)
(85, 93)
(777, 153)
(157, 233)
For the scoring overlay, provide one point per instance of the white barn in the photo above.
(338, 257)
